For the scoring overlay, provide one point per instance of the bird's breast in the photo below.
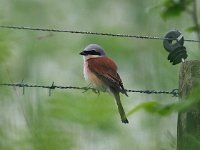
(92, 78)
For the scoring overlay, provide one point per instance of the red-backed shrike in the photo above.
(101, 72)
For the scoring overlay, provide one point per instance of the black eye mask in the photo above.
(92, 52)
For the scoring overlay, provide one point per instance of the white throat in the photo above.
(90, 56)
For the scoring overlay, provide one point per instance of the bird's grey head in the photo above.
(93, 50)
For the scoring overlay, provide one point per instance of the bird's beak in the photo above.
(82, 53)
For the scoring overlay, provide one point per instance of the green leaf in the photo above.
(193, 28)
(174, 8)
(149, 106)
(166, 109)
(172, 11)
(155, 107)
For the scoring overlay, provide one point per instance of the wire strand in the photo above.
(92, 33)
(173, 92)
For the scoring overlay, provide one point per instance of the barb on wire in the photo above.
(93, 33)
(174, 92)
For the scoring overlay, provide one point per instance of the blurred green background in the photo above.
(70, 119)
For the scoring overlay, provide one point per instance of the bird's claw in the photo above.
(85, 89)
(96, 91)
(90, 88)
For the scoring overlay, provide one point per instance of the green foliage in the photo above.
(173, 8)
(193, 28)
(91, 112)
(70, 119)
(165, 109)
(4, 48)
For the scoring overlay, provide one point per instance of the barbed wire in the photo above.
(173, 92)
(93, 33)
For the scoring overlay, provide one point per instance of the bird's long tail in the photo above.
(120, 107)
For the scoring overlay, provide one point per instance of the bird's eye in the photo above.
(93, 52)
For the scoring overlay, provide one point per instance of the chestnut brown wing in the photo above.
(106, 70)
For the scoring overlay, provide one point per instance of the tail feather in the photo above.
(120, 107)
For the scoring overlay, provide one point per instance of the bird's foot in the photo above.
(96, 91)
(87, 88)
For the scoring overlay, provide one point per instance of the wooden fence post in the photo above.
(188, 128)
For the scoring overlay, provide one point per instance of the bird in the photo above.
(101, 73)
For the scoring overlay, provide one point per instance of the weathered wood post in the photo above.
(188, 129)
